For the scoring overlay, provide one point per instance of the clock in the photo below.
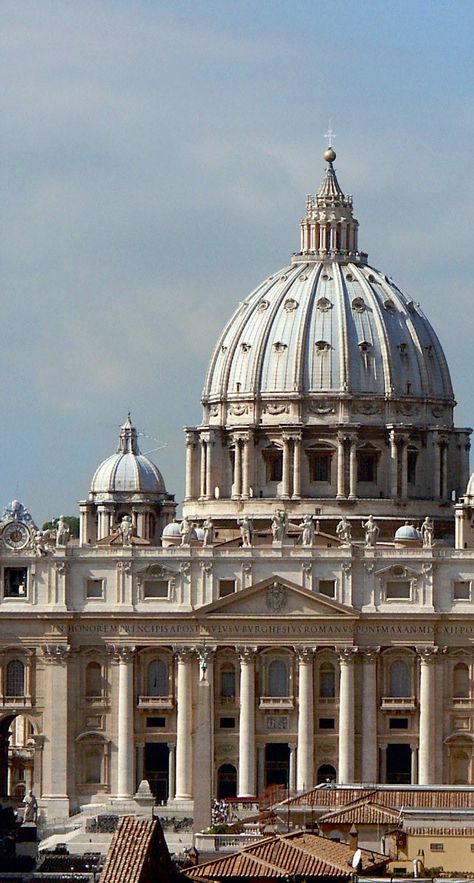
(16, 535)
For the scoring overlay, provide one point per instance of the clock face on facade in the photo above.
(15, 535)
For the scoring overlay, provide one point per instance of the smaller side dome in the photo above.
(470, 487)
(171, 529)
(127, 471)
(408, 532)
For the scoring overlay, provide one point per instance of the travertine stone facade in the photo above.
(234, 650)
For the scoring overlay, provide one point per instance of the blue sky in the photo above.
(155, 159)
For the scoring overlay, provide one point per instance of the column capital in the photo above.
(246, 654)
(346, 655)
(121, 654)
(305, 654)
(56, 653)
(184, 654)
(369, 654)
(427, 655)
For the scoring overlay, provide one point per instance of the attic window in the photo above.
(322, 346)
(358, 304)
(324, 304)
(365, 346)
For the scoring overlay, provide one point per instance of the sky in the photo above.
(154, 163)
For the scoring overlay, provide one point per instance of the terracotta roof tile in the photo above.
(138, 849)
(362, 812)
(429, 798)
(297, 853)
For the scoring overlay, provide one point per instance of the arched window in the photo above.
(327, 681)
(326, 773)
(157, 678)
(15, 680)
(228, 683)
(226, 781)
(399, 679)
(461, 681)
(93, 680)
(278, 678)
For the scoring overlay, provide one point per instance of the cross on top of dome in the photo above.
(128, 439)
(329, 226)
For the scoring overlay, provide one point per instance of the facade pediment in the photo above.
(277, 597)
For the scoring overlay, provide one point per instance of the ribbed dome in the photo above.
(328, 323)
(127, 471)
(328, 327)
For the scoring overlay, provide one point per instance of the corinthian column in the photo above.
(237, 468)
(305, 762)
(286, 467)
(427, 716)
(296, 467)
(247, 723)
(346, 715)
(369, 714)
(55, 724)
(353, 469)
(189, 466)
(184, 756)
(340, 468)
(125, 731)
(393, 465)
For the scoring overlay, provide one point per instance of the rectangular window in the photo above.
(320, 467)
(95, 588)
(398, 590)
(156, 588)
(274, 463)
(327, 723)
(152, 722)
(398, 723)
(227, 723)
(437, 847)
(15, 582)
(412, 457)
(226, 587)
(327, 587)
(367, 467)
(461, 590)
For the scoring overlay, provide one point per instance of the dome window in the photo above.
(303, 278)
(263, 305)
(389, 306)
(350, 277)
(403, 349)
(290, 305)
(322, 346)
(283, 278)
(324, 304)
(371, 278)
(358, 304)
(365, 346)
(245, 347)
(325, 277)
(223, 348)
(279, 347)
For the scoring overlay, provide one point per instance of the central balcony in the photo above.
(275, 703)
(398, 703)
(161, 702)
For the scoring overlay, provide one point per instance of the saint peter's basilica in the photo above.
(309, 617)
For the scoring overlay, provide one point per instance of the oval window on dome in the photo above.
(322, 346)
(324, 304)
(283, 278)
(325, 277)
(350, 277)
(263, 305)
(290, 305)
(245, 347)
(390, 306)
(358, 304)
(371, 277)
(365, 346)
(279, 346)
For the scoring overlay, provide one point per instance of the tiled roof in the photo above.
(398, 798)
(137, 853)
(362, 812)
(296, 854)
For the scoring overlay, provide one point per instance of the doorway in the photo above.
(157, 769)
(398, 765)
(277, 764)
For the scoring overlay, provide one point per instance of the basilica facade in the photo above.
(309, 617)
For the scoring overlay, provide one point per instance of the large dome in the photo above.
(328, 327)
(127, 471)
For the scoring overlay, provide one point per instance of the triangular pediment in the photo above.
(275, 597)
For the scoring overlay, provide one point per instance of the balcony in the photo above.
(275, 703)
(462, 702)
(16, 701)
(398, 703)
(156, 702)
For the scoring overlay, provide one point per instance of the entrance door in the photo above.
(398, 765)
(277, 764)
(157, 769)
